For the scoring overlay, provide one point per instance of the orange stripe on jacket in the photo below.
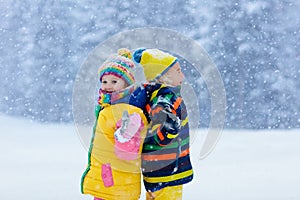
(159, 134)
(177, 103)
(170, 156)
(148, 108)
(156, 110)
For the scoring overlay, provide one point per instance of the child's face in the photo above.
(173, 76)
(111, 83)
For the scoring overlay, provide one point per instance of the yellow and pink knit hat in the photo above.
(120, 66)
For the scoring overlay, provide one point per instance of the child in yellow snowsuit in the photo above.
(114, 158)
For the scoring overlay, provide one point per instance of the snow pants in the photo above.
(167, 193)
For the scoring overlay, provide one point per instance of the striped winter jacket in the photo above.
(165, 156)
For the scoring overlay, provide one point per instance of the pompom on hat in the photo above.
(120, 66)
(154, 62)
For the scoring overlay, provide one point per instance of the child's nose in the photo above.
(181, 75)
(107, 86)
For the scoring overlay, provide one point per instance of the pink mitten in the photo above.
(127, 127)
(128, 139)
(133, 126)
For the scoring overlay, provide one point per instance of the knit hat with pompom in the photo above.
(120, 66)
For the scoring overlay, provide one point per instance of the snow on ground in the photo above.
(46, 162)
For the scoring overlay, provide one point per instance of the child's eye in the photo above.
(114, 82)
(104, 82)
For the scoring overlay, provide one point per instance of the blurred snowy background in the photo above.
(255, 45)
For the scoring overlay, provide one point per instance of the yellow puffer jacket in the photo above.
(126, 174)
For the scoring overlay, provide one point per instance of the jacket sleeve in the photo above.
(165, 114)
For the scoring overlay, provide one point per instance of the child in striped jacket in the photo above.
(166, 164)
